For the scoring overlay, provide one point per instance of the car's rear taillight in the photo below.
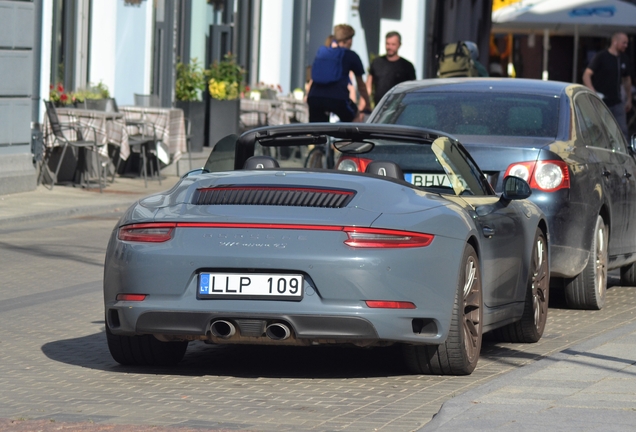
(357, 237)
(383, 304)
(147, 232)
(547, 176)
(131, 297)
(385, 238)
(352, 163)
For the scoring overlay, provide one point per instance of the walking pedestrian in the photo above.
(606, 73)
(390, 69)
(329, 91)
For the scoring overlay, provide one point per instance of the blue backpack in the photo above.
(327, 67)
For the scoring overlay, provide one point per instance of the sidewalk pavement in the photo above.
(61, 201)
(588, 387)
(43, 203)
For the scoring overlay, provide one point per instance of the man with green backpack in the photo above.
(460, 60)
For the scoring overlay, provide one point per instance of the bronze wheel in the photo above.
(459, 354)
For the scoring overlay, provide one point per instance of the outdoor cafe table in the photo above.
(109, 128)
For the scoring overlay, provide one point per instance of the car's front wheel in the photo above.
(587, 290)
(459, 354)
(530, 327)
(145, 350)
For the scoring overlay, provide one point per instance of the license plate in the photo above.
(250, 286)
(427, 180)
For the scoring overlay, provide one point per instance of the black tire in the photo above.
(529, 328)
(587, 290)
(628, 275)
(145, 350)
(316, 158)
(460, 353)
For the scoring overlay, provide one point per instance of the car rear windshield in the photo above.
(474, 113)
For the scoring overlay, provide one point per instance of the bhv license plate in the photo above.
(250, 286)
(427, 180)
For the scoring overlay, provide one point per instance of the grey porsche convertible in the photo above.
(253, 250)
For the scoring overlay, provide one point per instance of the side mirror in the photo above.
(222, 156)
(632, 144)
(515, 188)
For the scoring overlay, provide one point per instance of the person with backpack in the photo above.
(329, 91)
(460, 60)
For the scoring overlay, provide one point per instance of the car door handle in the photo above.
(488, 232)
(626, 174)
(606, 173)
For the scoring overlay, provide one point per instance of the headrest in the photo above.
(260, 162)
(385, 168)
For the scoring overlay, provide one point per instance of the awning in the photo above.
(565, 17)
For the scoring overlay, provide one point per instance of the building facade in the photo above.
(133, 46)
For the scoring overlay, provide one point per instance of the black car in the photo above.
(563, 140)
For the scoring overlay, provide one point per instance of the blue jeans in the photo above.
(621, 118)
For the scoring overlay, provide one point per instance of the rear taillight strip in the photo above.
(357, 237)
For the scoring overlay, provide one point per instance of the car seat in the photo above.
(260, 162)
(385, 168)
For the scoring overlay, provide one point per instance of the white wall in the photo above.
(133, 51)
(103, 43)
(276, 43)
(121, 48)
(45, 55)
(199, 29)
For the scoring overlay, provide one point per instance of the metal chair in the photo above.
(140, 142)
(81, 144)
(144, 142)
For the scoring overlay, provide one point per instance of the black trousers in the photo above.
(320, 107)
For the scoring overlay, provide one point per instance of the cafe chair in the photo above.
(79, 146)
(144, 141)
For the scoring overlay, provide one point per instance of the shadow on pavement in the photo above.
(242, 360)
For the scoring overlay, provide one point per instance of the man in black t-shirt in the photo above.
(608, 70)
(390, 69)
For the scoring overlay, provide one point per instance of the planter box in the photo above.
(223, 119)
(195, 112)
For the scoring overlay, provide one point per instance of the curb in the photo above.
(458, 406)
(69, 211)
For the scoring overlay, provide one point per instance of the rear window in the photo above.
(474, 113)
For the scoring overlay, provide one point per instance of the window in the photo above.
(590, 125)
(616, 137)
(479, 113)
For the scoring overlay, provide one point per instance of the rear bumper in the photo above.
(251, 327)
(567, 224)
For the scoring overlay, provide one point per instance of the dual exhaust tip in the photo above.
(225, 329)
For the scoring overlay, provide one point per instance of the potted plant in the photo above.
(94, 97)
(189, 84)
(58, 95)
(225, 84)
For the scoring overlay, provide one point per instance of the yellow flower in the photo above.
(218, 89)
(225, 79)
